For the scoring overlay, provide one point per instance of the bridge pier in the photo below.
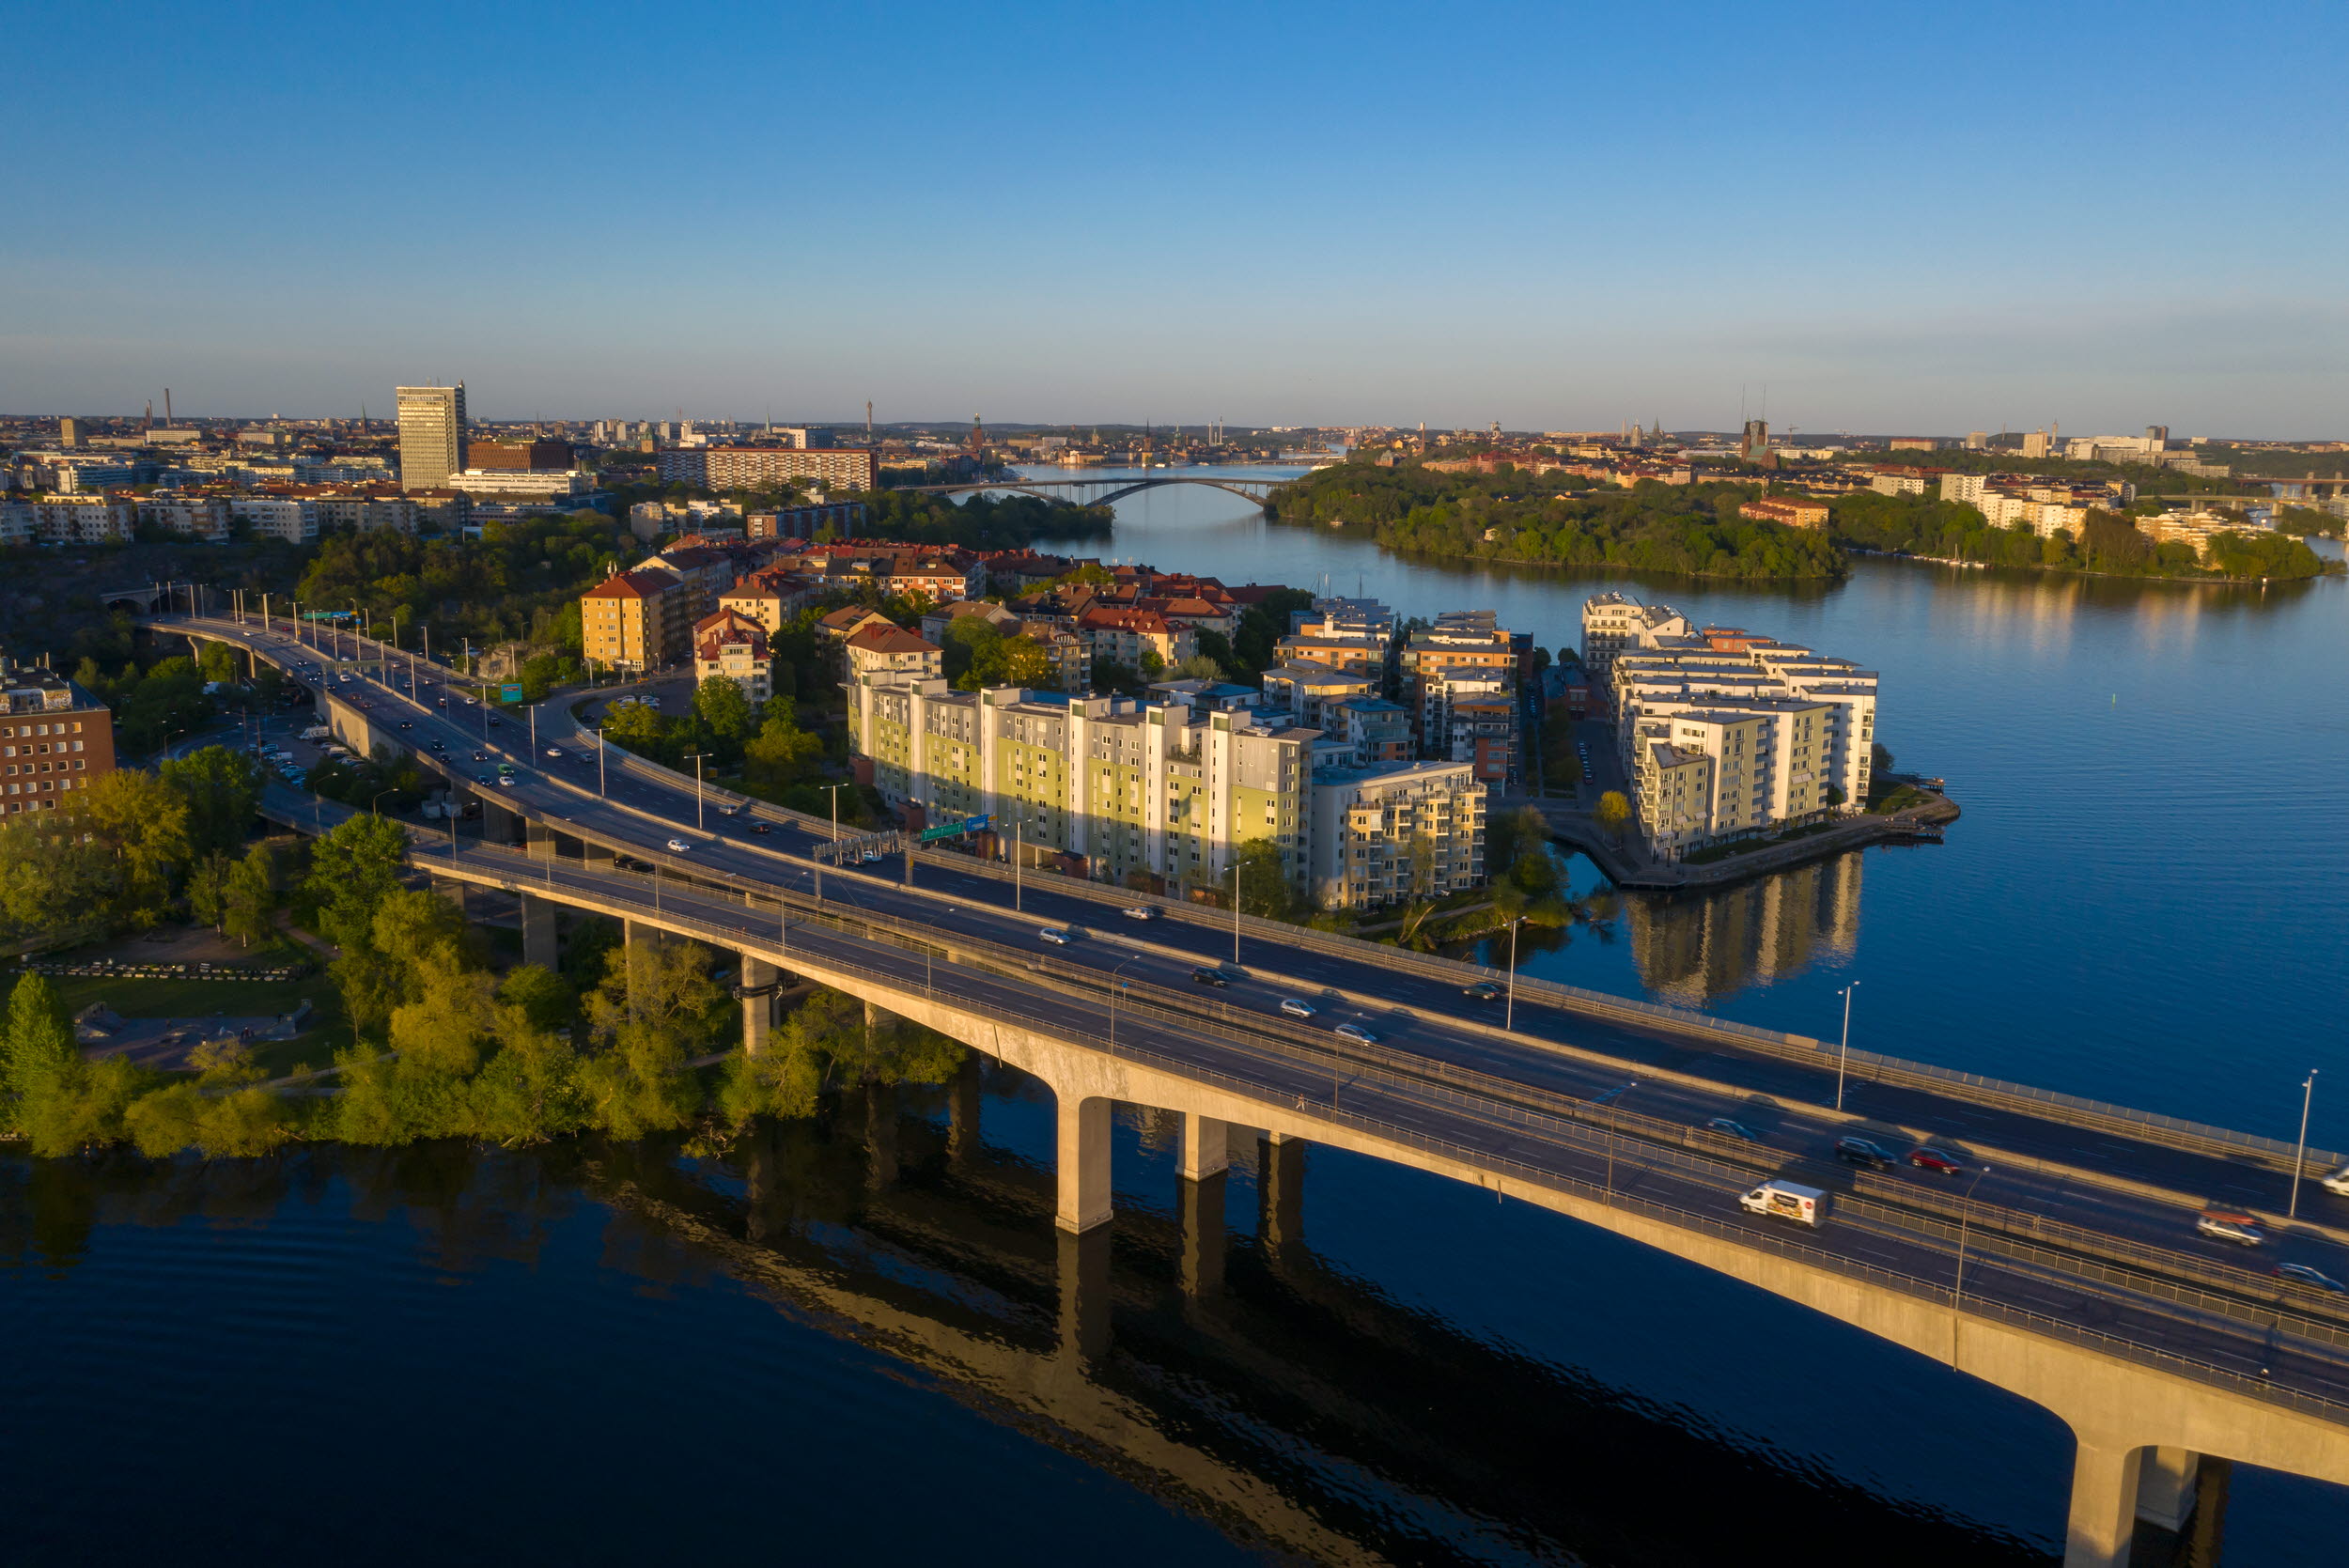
(540, 838)
(1281, 1194)
(1083, 1269)
(541, 945)
(1206, 1147)
(758, 1001)
(2106, 1474)
(1084, 1162)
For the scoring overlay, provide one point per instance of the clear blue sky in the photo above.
(1898, 217)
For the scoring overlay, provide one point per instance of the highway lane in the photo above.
(1165, 949)
(1695, 1189)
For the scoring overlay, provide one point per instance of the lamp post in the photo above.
(599, 755)
(697, 781)
(1018, 853)
(1965, 1215)
(2299, 1157)
(1116, 985)
(835, 789)
(379, 799)
(1234, 908)
(1843, 1054)
(1509, 1012)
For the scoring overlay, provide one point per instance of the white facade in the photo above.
(294, 520)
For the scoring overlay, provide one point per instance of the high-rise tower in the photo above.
(431, 435)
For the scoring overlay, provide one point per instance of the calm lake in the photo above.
(861, 1337)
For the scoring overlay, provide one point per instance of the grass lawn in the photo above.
(328, 1030)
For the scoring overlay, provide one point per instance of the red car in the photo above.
(1936, 1159)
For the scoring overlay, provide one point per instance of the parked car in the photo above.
(1209, 975)
(1296, 1007)
(1727, 1128)
(2226, 1226)
(1483, 990)
(1357, 1033)
(2301, 1274)
(1054, 935)
(1859, 1151)
(1941, 1160)
(678, 847)
(1142, 912)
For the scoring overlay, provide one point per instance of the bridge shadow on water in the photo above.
(1302, 1408)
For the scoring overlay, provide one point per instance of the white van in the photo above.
(1784, 1199)
(2338, 1182)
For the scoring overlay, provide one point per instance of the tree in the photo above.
(56, 886)
(656, 1006)
(143, 822)
(1613, 812)
(1881, 755)
(782, 753)
(352, 870)
(38, 1056)
(217, 661)
(248, 899)
(1199, 666)
(637, 727)
(207, 883)
(725, 714)
(1264, 886)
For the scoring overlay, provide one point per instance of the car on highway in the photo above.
(495, 720)
(506, 780)
(2224, 1225)
(677, 846)
(874, 857)
(1296, 1007)
(1208, 975)
(1141, 911)
(440, 745)
(2337, 1182)
(1054, 935)
(470, 701)
(555, 751)
(760, 828)
(1483, 990)
(1727, 1128)
(1861, 1151)
(440, 702)
(2301, 1274)
(1357, 1033)
(481, 756)
(1939, 1160)
(406, 724)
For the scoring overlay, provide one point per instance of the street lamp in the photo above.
(1965, 1215)
(1116, 985)
(1843, 1054)
(1509, 1012)
(599, 756)
(697, 784)
(379, 797)
(2308, 1094)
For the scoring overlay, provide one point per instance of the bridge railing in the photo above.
(2177, 1278)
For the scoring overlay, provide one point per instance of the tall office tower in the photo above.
(431, 435)
(68, 433)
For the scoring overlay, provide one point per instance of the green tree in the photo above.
(656, 1008)
(725, 715)
(39, 1058)
(56, 885)
(248, 901)
(1266, 887)
(217, 661)
(143, 823)
(1613, 812)
(352, 869)
(218, 789)
(782, 753)
(208, 885)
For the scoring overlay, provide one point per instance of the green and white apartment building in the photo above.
(1169, 787)
(1727, 733)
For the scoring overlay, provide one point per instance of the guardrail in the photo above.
(2054, 1244)
(2272, 1153)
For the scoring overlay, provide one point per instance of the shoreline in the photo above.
(1629, 872)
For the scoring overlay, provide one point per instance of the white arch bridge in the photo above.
(1102, 491)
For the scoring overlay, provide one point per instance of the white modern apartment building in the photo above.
(80, 519)
(294, 520)
(195, 516)
(1724, 733)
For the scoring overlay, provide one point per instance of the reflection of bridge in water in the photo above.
(1103, 491)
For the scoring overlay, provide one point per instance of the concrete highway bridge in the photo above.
(2063, 1268)
(1101, 492)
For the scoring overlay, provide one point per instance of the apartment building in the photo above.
(702, 573)
(1404, 830)
(1614, 621)
(751, 468)
(1726, 732)
(54, 737)
(1793, 511)
(768, 597)
(81, 520)
(511, 456)
(521, 484)
(843, 517)
(1113, 788)
(1307, 692)
(431, 435)
(292, 519)
(191, 516)
(735, 646)
(366, 511)
(887, 652)
(1464, 655)
(1125, 635)
(631, 621)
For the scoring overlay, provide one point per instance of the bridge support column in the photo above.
(2105, 1476)
(758, 1010)
(1084, 1295)
(1281, 1194)
(1084, 1162)
(2165, 1484)
(1201, 1206)
(540, 945)
(541, 840)
(962, 1111)
(1206, 1147)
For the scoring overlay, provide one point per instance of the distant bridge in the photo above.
(1109, 489)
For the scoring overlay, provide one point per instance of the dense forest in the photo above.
(1558, 519)
(2110, 542)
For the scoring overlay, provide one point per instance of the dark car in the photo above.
(759, 826)
(407, 724)
(1940, 1160)
(1859, 1151)
(1484, 990)
(1727, 1128)
(481, 756)
(2301, 1274)
(440, 745)
(495, 720)
(1209, 975)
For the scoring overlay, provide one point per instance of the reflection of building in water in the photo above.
(1694, 947)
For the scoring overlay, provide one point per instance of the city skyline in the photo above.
(1561, 218)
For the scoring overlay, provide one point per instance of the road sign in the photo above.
(955, 830)
(509, 693)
